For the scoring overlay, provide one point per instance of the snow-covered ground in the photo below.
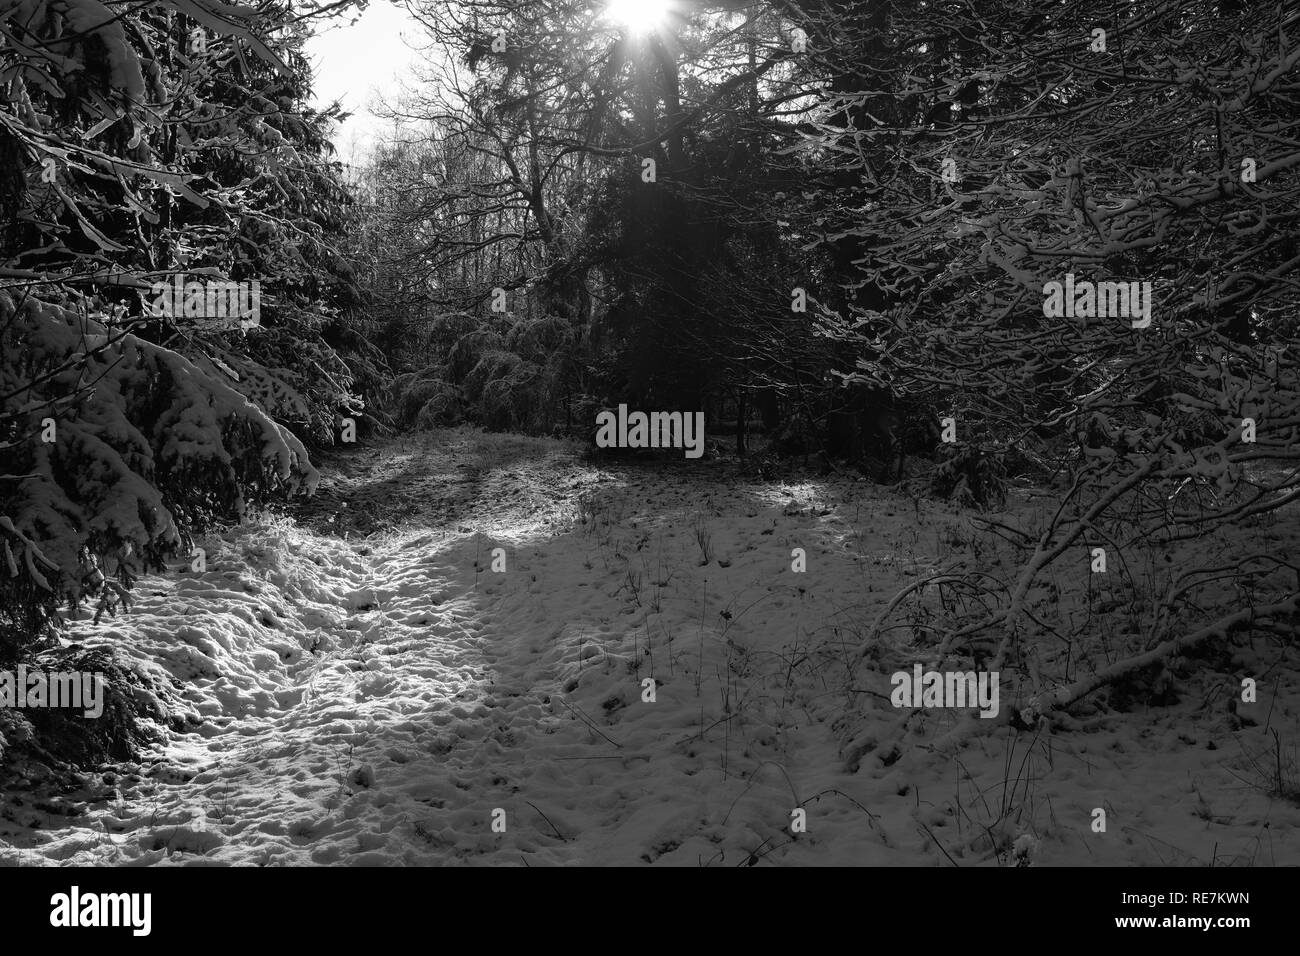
(363, 696)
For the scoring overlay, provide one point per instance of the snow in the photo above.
(90, 17)
(344, 699)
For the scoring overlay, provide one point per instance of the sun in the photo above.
(638, 16)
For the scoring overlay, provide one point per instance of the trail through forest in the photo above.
(354, 683)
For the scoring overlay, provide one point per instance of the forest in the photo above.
(963, 340)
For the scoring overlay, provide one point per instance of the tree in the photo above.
(1153, 144)
(142, 143)
(587, 170)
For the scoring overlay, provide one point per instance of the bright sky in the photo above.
(354, 63)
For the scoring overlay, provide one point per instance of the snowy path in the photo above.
(440, 691)
(369, 700)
